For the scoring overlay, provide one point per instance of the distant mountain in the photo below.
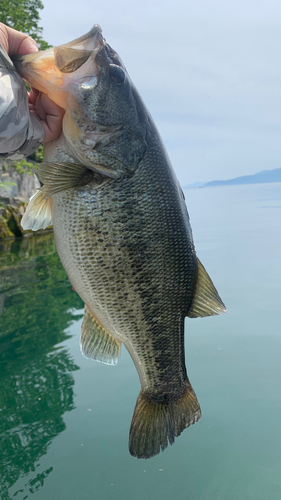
(259, 178)
(195, 185)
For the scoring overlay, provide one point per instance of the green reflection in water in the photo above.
(37, 304)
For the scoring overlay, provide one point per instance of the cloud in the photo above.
(209, 72)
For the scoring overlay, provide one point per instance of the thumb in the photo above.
(15, 42)
(27, 46)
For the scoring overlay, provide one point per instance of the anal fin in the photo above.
(96, 343)
(206, 301)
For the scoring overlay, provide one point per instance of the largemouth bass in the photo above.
(122, 231)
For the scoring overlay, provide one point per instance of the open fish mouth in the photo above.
(53, 70)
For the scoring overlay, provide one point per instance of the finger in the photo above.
(15, 42)
(51, 116)
(32, 96)
(40, 110)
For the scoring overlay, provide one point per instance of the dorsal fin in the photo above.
(96, 343)
(206, 300)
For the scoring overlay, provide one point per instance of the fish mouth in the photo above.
(53, 70)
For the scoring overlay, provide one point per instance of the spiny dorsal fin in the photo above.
(96, 343)
(39, 212)
(206, 301)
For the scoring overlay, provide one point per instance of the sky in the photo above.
(208, 71)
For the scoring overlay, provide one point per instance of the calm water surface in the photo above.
(64, 420)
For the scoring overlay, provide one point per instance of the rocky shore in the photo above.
(17, 184)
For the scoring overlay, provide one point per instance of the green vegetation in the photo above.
(37, 156)
(6, 184)
(10, 221)
(23, 167)
(23, 15)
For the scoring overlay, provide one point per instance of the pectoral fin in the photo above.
(206, 301)
(96, 343)
(39, 212)
(58, 177)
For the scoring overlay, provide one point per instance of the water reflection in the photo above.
(37, 304)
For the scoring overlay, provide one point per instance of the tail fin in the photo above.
(154, 424)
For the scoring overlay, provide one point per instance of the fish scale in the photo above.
(122, 231)
(148, 304)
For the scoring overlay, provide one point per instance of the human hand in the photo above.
(48, 113)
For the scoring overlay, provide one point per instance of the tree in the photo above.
(23, 15)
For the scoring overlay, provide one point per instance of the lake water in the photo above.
(64, 420)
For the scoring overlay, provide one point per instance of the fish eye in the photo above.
(116, 74)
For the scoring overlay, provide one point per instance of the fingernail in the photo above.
(28, 46)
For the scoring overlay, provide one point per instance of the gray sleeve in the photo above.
(20, 132)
